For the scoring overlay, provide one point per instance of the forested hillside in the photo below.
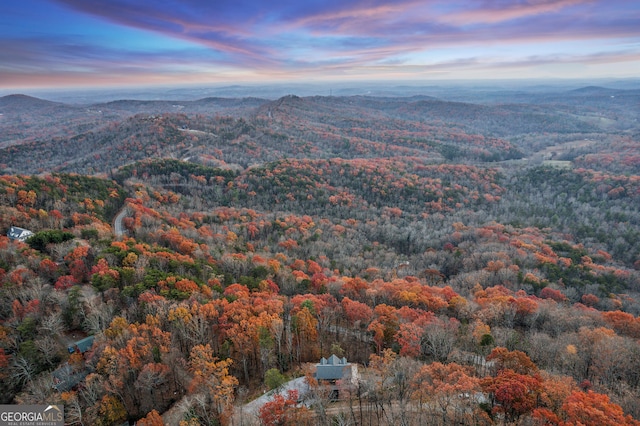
(480, 262)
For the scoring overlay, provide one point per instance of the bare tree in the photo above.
(73, 411)
(439, 339)
(93, 389)
(52, 323)
(49, 348)
(97, 315)
(37, 391)
(22, 370)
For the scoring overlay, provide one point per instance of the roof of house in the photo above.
(66, 378)
(82, 345)
(332, 368)
(16, 233)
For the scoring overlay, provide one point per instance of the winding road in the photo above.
(118, 227)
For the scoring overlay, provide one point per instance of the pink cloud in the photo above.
(357, 14)
(508, 12)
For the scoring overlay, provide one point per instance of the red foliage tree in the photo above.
(515, 394)
(590, 300)
(65, 282)
(550, 293)
(48, 268)
(284, 411)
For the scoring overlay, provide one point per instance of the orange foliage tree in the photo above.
(151, 419)
(448, 386)
(212, 376)
(594, 409)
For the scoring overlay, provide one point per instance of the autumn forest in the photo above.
(476, 256)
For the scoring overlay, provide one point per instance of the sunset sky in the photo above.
(67, 43)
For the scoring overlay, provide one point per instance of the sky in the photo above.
(102, 43)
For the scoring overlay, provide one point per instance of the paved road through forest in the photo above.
(118, 228)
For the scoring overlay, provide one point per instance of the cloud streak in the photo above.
(502, 11)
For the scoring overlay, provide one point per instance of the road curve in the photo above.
(118, 227)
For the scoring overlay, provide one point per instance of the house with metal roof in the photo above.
(66, 377)
(81, 345)
(335, 368)
(18, 234)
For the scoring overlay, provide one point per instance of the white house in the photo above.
(18, 234)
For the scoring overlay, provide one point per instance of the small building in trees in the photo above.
(335, 368)
(18, 234)
(81, 345)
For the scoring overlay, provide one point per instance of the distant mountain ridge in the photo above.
(39, 135)
(593, 89)
(19, 102)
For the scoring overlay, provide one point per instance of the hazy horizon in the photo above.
(276, 90)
